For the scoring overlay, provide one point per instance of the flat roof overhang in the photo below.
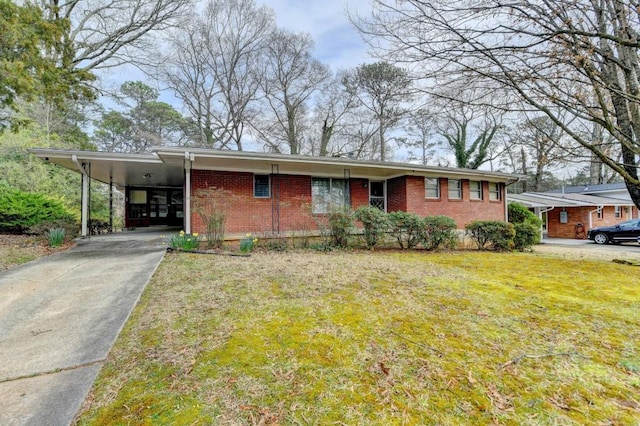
(551, 200)
(121, 169)
(165, 166)
(263, 163)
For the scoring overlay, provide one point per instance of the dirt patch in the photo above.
(18, 249)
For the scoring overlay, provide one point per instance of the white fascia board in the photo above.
(96, 155)
(398, 169)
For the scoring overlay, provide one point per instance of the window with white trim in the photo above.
(261, 186)
(618, 212)
(328, 194)
(455, 189)
(494, 191)
(431, 187)
(475, 190)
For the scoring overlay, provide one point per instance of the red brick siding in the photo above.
(397, 194)
(576, 215)
(462, 211)
(359, 192)
(291, 197)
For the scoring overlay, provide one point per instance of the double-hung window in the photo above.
(455, 189)
(261, 187)
(494, 191)
(328, 194)
(475, 190)
(431, 188)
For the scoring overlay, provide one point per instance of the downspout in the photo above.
(85, 196)
(188, 160)
(592, 212)
(540, 212)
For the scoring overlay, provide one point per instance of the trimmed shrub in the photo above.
(526, 236)
(375, 223)
(518, 213)
(406, 228)
(341, 226)
(526, 224)
(491, 234)
(21, 210)
(439, 232)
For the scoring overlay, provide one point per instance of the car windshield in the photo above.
(630, 224)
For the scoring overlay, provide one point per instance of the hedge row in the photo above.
(435, 232)
(408, 229)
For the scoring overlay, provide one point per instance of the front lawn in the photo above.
(377, 338)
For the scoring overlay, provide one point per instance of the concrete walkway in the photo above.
(59, 317)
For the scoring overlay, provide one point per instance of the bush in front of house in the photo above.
(341, 226)
(439, 232)
(526, 236)
(526, 225)
(20, 210)
(406, 228)
(375, 223)
(491, 234)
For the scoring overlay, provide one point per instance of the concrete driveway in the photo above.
(59, 317)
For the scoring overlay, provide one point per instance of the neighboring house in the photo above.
(278, 194)
(569, 212)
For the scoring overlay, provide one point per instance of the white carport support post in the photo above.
(84, 231)
(188, 159)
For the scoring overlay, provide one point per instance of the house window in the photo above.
(455, 189)
(601, 213)
(261, 187)
(328, 194)
(494, 191)
(431, 188)
(618, 212)
(475, 190)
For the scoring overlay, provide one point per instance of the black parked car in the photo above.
(624, 231)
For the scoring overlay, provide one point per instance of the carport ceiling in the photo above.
(122, 169)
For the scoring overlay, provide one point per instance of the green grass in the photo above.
(377, 338)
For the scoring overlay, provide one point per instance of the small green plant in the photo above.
(439, 232)
(247, 243)
(341, 226)
(375, 223)
(491, 234)
(406, 228)
(183, 241)
(56, 237)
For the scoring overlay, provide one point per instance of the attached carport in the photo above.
(542, 203)
(118, 170)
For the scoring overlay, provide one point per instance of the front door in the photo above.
(377, 195)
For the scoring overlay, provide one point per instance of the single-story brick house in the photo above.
(274, 193)
(569, 212)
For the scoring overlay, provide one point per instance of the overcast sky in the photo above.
(338, 44)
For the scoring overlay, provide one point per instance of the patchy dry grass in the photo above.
(377, 338)
(18, 249)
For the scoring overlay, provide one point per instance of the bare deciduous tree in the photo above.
(291, 77)
(577, 62)
(381, 89)
(535, 147)
(214, 68)
(109, 33)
